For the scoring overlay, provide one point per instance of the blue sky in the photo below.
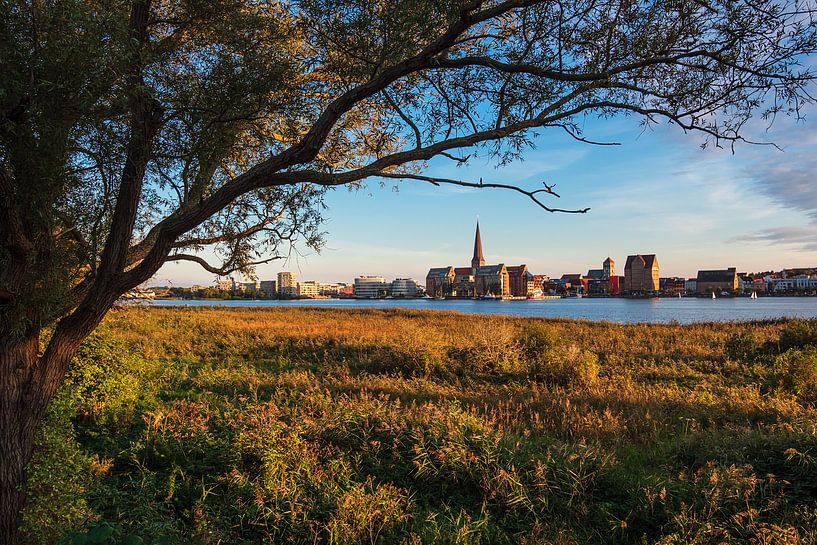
(658, 193)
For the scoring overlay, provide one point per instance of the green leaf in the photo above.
(77, 538)
(100, 533)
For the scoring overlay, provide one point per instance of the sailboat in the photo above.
(754, 295)
(713, 295)
(679, 296)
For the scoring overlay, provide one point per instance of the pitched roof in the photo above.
(648, 261)
(462, 270)
(490, 270)
(609, 260)
(440, 271)
(595, 274)
(517, 270)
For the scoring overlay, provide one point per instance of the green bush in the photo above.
(798, 334)
(536, 340)
(567, 365)
(58, 476)
(796, 371)
(741, 347)
(102, 381)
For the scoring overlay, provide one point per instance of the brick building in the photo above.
(641, 274)
(717, 280)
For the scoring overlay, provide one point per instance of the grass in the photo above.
(304, 425)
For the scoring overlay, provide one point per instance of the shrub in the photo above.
(536, 341)
(494, 350)
(567, 365)
(796, 370)
(58, 476)
(798, 334)
(368, 513)
(101, 381)
(741, 347)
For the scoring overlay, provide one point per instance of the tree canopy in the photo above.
(168, 127)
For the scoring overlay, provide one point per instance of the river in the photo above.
(686, 310)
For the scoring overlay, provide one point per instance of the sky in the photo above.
(658, 192)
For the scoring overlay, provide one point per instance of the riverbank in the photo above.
(305, 425)
(619, 310)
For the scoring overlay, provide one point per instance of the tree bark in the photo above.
(19, 413)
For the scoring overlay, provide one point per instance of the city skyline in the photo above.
(656, 193)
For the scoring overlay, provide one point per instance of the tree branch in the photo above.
(532, 195)
(220, 271)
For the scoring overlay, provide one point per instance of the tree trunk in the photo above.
(19, 414)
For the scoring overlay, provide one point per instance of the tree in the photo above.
(135, 133)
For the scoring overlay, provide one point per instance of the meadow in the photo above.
(300, 425)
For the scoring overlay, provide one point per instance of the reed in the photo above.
(299, 425)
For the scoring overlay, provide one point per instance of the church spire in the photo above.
(478, 260)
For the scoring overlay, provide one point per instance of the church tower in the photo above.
(478, 260)
(609, 268)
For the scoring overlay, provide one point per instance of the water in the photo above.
(686, 310)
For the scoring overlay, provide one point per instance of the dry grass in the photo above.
(304, 425)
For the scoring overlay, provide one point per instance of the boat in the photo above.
(713, 295)
(754, 295)
(679, 296)
(488, 297)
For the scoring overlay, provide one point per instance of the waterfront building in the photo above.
(439, 281)
(492, 280)
(309, 289)
(404, 287)
(370, 287)
(225, 284)
(248, 287)
(573, 283)
(463, 283)
(334, 288)
(478, 280)
(520, 281)
(798, 283)
(346, 291)
(717, 280)
(269, 287)
(673, 286)
(641, 274)
(609, 267)
(691, 285)
(287, 284)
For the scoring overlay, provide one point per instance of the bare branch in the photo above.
(532, 195)
(224, 269)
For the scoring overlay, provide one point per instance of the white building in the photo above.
(309, 289)
(691, 285)
(404, 287)
(795, 283)
(370, 287)
(287, 284)
(227, 284)
(333, 288)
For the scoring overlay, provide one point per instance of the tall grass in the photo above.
(333, 426)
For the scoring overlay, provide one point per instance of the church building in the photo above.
(480, 279)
